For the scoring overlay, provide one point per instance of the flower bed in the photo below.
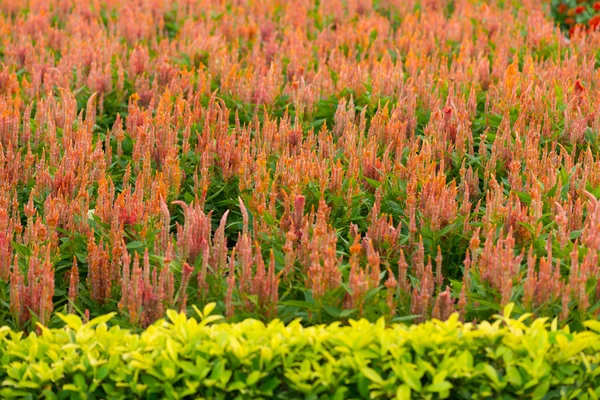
(322, 161)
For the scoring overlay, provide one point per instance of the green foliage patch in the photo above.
(198, 358)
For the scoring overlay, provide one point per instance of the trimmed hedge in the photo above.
(185, 358)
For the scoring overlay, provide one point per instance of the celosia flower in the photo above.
(73, 284)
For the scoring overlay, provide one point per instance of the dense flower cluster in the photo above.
(314, 160)
(581, 15)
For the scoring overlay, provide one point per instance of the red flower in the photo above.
(570, 21)
(596, 6)
(562, 8)
(594, 22)
(579, 9)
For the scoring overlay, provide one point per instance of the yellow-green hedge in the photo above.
(184, 358)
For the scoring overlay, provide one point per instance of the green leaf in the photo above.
(269, 385)
(403, 393)
(253, 378)
(411, 378)
(135, 245)
(439, 387)
(524, 197)
(593, 325)
(21, 249)
(299, 303)
(268, 218)
(513, 376)
(508, 310)
(541, 390)
(208, 309)
(72, 321)
(363, 386)
(101, 319)
(372, 375)
(333, 311)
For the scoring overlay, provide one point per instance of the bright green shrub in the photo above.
(185, 358)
